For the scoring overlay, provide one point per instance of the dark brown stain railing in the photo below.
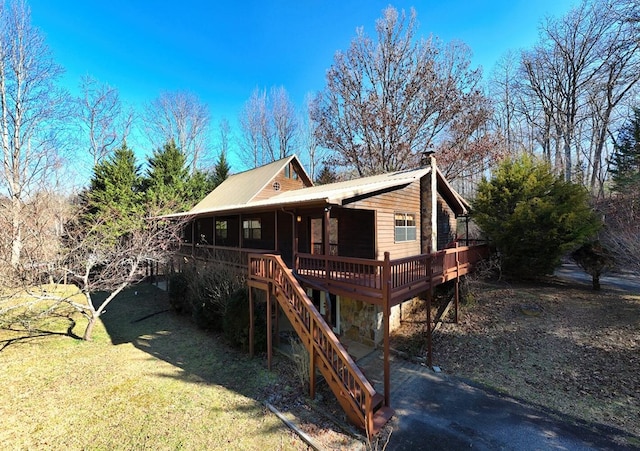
(363, 278)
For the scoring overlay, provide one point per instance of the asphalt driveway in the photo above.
(436, 411)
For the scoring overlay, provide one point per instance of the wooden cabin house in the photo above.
(339, 260)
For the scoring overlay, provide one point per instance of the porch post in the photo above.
(275, 231)
(269, 338)
(434, 204)
(386, 305)
(193, 238)
(326, 236)
(326, 231)
(251, 322)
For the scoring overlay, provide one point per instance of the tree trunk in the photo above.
(88, 332)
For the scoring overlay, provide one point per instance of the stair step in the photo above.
(381, 417)
(377, 401)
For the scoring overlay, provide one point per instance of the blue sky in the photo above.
(221, 51)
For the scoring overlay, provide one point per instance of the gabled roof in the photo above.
(237, 192)
(341, 192)
(242, 188)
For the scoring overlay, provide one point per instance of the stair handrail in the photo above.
(271, 268)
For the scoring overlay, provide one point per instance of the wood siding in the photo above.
(293, 182)
(404, 200)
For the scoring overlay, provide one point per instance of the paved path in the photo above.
(435, 411)
(625, 281)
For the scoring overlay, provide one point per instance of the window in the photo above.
(405, 229)
(290, 172)
(251, 229)
(222, 230)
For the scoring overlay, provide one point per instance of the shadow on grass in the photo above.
(25, 334)
(141, 316)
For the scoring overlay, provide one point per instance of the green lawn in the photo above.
(152, 383)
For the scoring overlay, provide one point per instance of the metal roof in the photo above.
(236, 193)
(241, 188)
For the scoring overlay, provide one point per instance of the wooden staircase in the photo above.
(363, 406)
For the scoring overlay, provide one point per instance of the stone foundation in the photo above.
(363, 322)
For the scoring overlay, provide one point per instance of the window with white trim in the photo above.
(405, 227)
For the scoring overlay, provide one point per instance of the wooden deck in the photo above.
(370, 280)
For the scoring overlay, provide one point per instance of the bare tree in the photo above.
(252, 124)
(269, 126)
(30, 105)
(583, 68)
(283, 122)
(389, 100)
(181, 116)
(509, 114)
(94, 263)
(313, 153)
(622, 229)
(101, 117)
(224, 137)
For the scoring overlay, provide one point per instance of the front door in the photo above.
(316, 233)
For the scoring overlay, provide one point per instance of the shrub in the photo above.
(236, 321)
(595, 260)
(301, 363)
(210, 289)
(204, 292)
(532, 216)
(179, 293)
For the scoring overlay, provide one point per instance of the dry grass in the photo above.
(152, 383)
(558, 345)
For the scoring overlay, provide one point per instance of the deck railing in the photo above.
(408, 276)
(234, 256)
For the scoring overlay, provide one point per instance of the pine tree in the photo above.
(200, 184)
(167, 179)
(114, 200)
(326, 176)
(625, 162)
(221, 170)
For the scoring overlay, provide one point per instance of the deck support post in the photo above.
(386, 303)
(429, 328)
(312, 370)
(269, 330)
(251, 323)
(457, 295)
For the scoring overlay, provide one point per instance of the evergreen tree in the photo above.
(625, 162)
(532, 216)
(221, 170)
(200, 184)
(114, 199)
(166, 184)
(326, 176)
